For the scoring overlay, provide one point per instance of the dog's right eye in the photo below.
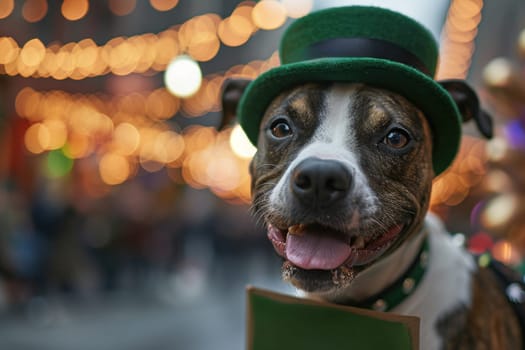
(280, 129)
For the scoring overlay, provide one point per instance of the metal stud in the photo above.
(423, 259)
(408, 285)
(380, 305)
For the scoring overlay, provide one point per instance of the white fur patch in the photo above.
(446, 284)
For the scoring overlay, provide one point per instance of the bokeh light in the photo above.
(34, 10)
(8, 50)
(269, 14)
(114, 169)
(6, 8)
(78, 146)
(57, 133)
(506, 253)
(240, 143)
(126, 138)
(183, 76)
(459, 33)
(235, 30)
(497, 72)
(31, 139)
(452, 187)
(499, 211)
(200, 37)
(73, 10)
(122, 7)
(58, 164)
(297, 8)
(32, 54)
(480, 242)
(163, 5)
(497, 149)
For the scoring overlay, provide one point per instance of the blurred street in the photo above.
(200, 315)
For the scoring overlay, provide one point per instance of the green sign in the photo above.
(280, 322)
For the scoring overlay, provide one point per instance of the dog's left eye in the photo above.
(397, 139)
(280, 129)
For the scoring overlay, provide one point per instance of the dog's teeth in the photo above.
(296, 229)
(359, 242)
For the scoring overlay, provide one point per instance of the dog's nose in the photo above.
(320, 182)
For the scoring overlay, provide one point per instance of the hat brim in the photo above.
(432, 99)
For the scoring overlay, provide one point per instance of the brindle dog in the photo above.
(342, 179)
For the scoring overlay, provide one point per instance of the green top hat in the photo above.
(367, 45)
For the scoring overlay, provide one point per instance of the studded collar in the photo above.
(403, 287)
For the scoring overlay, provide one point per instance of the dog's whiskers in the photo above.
(267, 165)
(261, 210)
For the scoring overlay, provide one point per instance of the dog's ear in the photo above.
(468, 104)
(232, 90)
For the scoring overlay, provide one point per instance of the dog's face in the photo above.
(341, 178)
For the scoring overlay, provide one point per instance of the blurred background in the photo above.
(124, 212)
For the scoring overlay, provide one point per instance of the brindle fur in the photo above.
(489, 324)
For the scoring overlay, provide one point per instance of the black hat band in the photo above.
(365, 47)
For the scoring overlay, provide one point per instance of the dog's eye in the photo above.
(280, 129)
(397, 139)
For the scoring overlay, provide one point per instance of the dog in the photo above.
(342, 180)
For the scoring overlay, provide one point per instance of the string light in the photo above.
(159, 104)
(457, 47)
(129, 131)
(457, 44)
(35, 10)
(80, 126)
(200, 37)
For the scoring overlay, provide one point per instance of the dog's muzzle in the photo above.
(323, 230)
(320, 183)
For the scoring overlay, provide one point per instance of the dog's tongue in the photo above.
(312, 251)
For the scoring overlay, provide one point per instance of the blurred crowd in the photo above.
(140, 235)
